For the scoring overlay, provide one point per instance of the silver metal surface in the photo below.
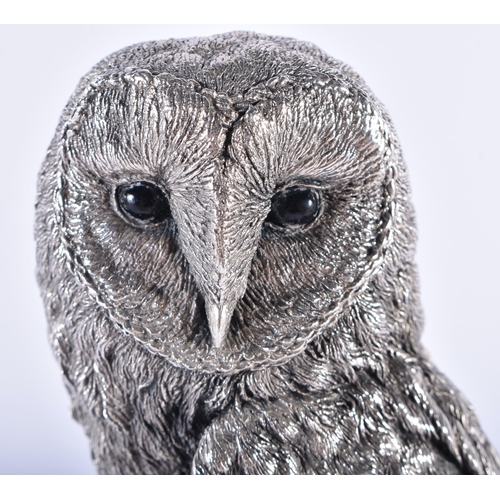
(216, 341)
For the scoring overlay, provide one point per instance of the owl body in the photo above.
(225, 248)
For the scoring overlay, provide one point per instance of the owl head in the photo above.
(223, 200)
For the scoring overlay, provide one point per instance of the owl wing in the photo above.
(416, 424)
(321, 437)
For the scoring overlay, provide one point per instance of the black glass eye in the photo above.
(294, 207)
(142, 202)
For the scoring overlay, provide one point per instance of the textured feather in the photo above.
(322, 370)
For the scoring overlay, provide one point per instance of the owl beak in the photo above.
(219, 318)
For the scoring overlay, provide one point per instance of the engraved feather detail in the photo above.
(268, 321)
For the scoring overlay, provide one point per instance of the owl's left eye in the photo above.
(294, 207)
(142, 202)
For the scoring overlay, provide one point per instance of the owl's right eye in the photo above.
(142, 202)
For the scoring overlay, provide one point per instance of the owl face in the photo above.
(224, 230)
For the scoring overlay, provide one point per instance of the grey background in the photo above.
(441, 87)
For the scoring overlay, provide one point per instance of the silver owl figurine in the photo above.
(226, 254)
